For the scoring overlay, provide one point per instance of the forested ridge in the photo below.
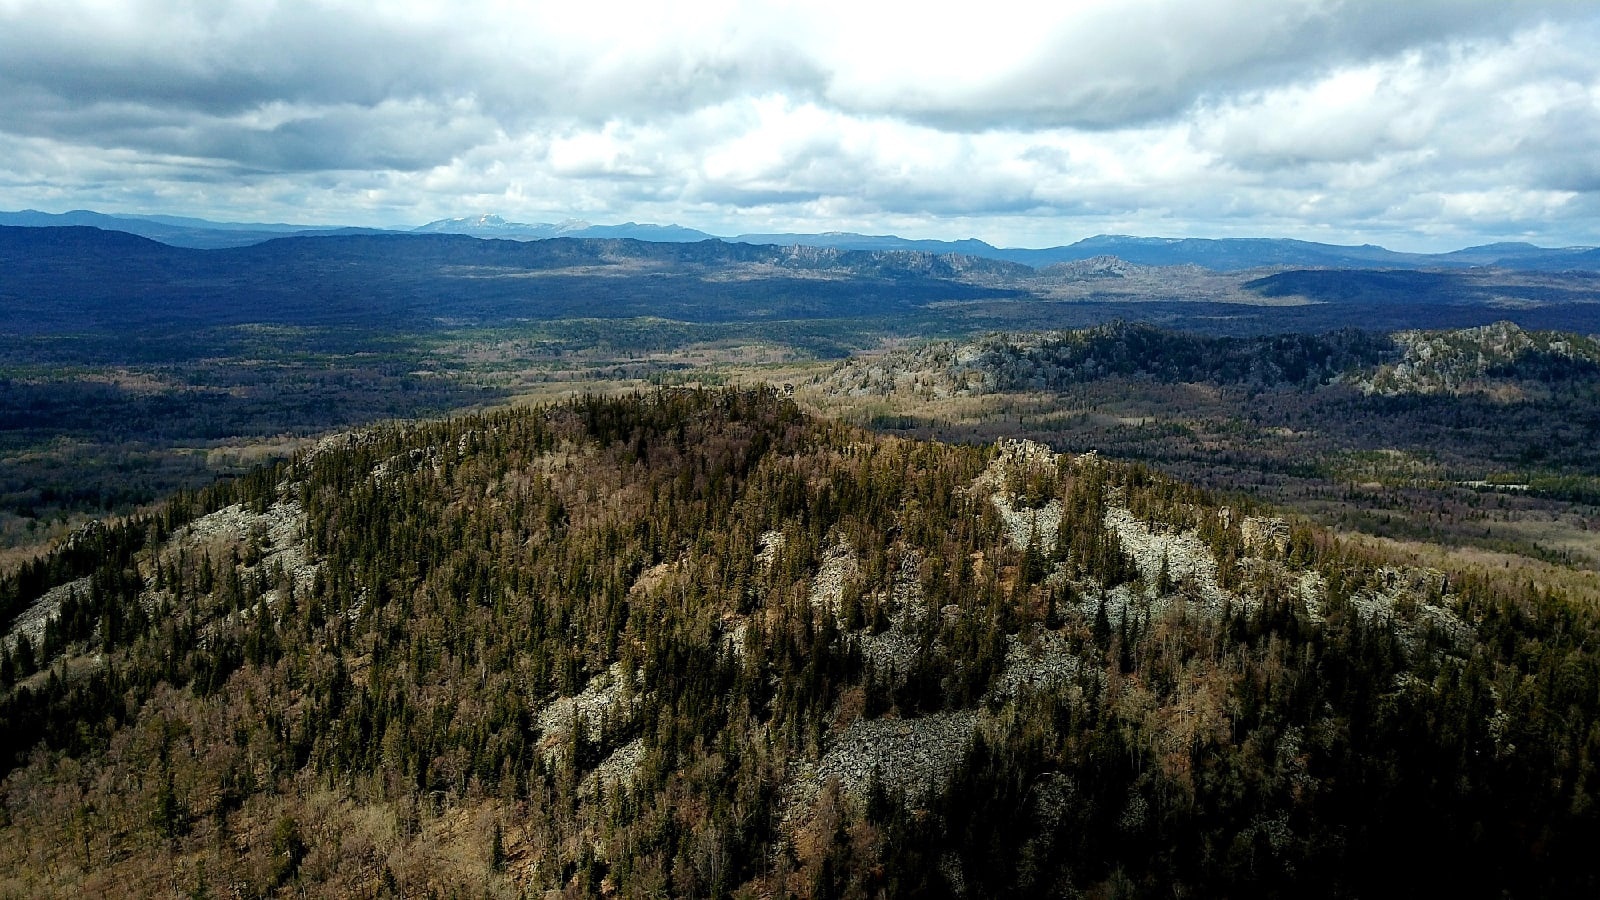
(1475, 437)
(703, 644)
(1467, 360)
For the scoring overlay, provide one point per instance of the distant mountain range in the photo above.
(1218, 254)
(177, 231)
(492, 226)
(55, 280)
(58, 280)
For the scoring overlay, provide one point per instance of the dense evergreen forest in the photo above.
(700, 643)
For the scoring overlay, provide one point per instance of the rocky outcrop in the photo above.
(1019, 461)
(603, 700)
(1042, 663)
(614, 772)
(1264, 535)
(31, 621)
(1173, 558)
(839, 566)
(1412, 602)
(909, 756)
(892, 651)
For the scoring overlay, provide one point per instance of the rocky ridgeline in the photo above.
(1187, 561)
(1436, 362)
(735, 628)
(768, 546)
(933, 371)
(915, 756)
(262, 542)
(891, 651)
(277, 535)
(1119, 604)
(274, 539)
(1095, 267)
(1311, 588)
(894, 263)
(1264, 535)
(1026, 526)
(1484, 359)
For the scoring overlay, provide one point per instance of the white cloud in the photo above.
(1342, 118)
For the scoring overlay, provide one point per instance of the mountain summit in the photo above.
(704, 644)
(491, 225)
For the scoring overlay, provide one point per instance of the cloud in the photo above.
(1348, 117)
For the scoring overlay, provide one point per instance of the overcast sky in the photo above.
(1418, 124)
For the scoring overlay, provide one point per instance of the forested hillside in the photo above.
(703, 644)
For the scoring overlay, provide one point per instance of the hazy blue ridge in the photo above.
(1218, 254)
